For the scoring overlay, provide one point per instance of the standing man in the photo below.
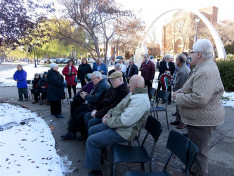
(124, 68)
(99, 66)
(131, 70)
(20, 77)
(166, 66)
(199, 102)
(180, 77)
(147, 71)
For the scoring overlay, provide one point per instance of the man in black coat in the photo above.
(112, 98)
(55, 90)
(84, 68)
(166, 66)
(131, 70)
(91, 99)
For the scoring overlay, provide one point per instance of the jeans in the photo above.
(22, 91)
(90, 121)
(201, 136)
(100, 136)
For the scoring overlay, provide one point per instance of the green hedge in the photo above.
(226, 69)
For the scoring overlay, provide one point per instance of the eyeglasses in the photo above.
(94, 78)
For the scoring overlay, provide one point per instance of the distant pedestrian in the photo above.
(166, 66)
(43, 84)
(199, 102)
(70, 73)
(147, 72)
(84, 68)
(121, 62)
(20, 77)
(55, 90)
(131, 70)
(118, 67)
(99, 66)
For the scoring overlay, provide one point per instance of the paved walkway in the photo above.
(221, 157)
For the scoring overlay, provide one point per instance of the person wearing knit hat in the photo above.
(55, 90)
(53, 65)
(88, 77)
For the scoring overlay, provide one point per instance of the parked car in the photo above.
(118, 58)
(66, 60)
(52, 60)
(60, 60)
(91, 60)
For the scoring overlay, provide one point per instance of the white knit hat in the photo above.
(53, 65)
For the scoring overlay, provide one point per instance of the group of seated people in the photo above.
(39, 88)
(104, 112)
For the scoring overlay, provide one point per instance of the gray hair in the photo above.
(182, 58)
(205, 47)
(19, 65)
(98, 59)
(168, 56)
(118, 66)
(97, 74)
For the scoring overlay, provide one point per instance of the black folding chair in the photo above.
(180, 146)
(137, 154)
(161, 95)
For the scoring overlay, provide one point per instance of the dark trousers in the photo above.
(82, 81)
(36, 93)
(43, 94)
(148, 83)
(90, 121)
(21, 92)
(55, 107)
(201, 136)
(77, 121)
(69, 90)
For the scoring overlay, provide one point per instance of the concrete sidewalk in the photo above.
(221, 156)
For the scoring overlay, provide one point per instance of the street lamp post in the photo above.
(35, 62)
(197, 21)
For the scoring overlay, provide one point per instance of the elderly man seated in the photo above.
(120, 124)
(91, 99)
(113, 96)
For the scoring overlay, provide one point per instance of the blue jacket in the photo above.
(103, 68)
(21, 77)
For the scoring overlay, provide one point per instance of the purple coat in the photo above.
(21, 77)
(87, 88)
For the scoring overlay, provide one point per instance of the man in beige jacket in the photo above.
(199, 102)
(121, 124)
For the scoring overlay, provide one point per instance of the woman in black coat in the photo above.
(55, 90)
(43, 87)
(84, 68)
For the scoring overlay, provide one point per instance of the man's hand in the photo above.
(101, 71)
(175, 94)
(151, 81)
(104, 120)
(43, 87)
(93, 113)
(106, 116)
(72, 73)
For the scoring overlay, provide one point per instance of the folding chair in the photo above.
(29, 85)
(180, 146)
(161, 95)
(137, 154)
(152, 93)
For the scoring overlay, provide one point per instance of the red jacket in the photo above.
(147, 70)
(70, 78)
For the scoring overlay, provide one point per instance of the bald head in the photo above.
(136, 81)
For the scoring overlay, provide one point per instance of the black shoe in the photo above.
(163, 102)
(34, 102)
(20, 100)
(174, 114)
(69, 135)
(42, 103)
(169, 103)
(95, 173)
(59, 116)
(26, 99)
(81, 138)
(175, 123)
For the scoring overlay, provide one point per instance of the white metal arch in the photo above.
(214, 33)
